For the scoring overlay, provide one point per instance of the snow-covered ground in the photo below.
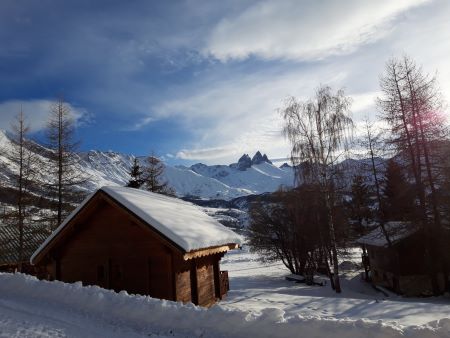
(261, 303)
(255, 286)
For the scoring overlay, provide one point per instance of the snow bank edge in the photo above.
(146, 314)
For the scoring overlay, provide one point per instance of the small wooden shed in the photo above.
(33, 237)
(401, 267)
(145, 243)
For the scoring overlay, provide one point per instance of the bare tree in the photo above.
(65, 177)
(23, 179)
(411, 105)
(291, 226)
(153, 176)
(320, 131)
(360, 213)
(373, 142)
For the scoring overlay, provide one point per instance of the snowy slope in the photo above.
(33, 308)
(186, 182)
(226, 182)
(257, 179)
(256, 286)
(201, 181)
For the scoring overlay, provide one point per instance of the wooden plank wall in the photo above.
(183, 286)
(205, 281)
(109, 250)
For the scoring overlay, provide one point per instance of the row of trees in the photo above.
(150, 176)
(408, 188)
(42, 178)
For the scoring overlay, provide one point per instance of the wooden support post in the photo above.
(217, 279)
(194, 284)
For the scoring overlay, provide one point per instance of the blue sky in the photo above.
(201, 81)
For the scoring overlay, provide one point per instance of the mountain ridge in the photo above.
(199, 181)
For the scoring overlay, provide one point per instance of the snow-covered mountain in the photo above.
(246, 177)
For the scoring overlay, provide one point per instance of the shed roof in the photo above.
(395, 230)
(33, 236)
(183, 223)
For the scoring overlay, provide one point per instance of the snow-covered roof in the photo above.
(183, 223)
(396, 231)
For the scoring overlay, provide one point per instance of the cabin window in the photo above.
(100, 273)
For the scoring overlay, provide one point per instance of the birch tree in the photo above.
(320, 131)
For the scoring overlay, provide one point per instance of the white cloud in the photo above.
(142, 123)
(206, 153)
(36, 113)
(306, 30)
(241, 116)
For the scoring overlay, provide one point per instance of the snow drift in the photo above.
(142, 313)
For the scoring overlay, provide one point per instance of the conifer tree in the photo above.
(136, 173)
(65, 176)
(398, 195)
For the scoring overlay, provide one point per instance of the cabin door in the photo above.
(115, 269)
(160, 281)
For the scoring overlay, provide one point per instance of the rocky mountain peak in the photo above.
(244, 162)
(259, 158)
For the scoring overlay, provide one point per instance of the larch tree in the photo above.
(23, 179)
(65, 176)
(372, 142)
(153, 176)
(412, 107)
(320, 131)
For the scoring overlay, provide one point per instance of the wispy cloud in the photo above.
(140, 124)
(307, 30)
(240, 115)
(206, 153)
(211, 78)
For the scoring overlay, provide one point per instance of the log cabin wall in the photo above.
(182, 280)
(109, 250)
(107, 246)
(205, 281)
(196, 281)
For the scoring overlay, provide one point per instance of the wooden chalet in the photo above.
(401, 267)
(145, 243)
